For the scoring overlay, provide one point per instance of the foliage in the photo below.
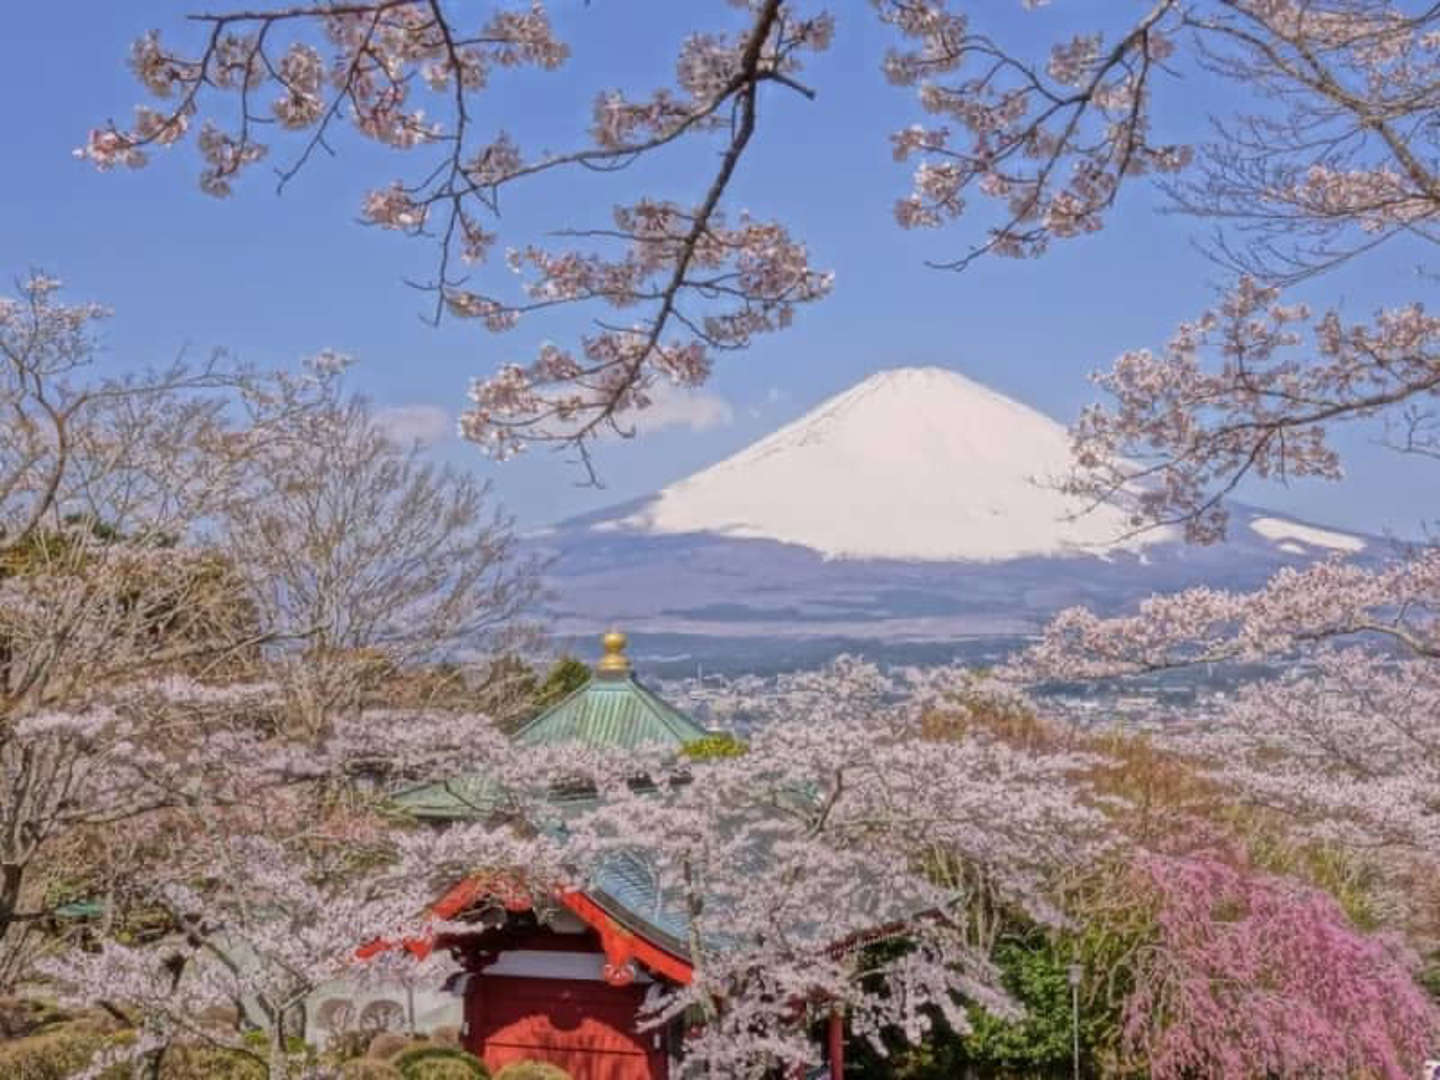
(565, 676)
(1032, 961)
(442, 1069)
(191, 1062)
(514, 692)
(55, 1053)
(21, 1016)
(508, 690)
(386, 1044)
(1353, 881)
(1034, 970)
(439, 1063)
(369, 1069)
(1032, 966)
(720, 745)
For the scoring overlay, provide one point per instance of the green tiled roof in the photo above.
(612, 711)
(448, 800)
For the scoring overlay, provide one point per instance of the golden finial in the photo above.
(614, 662)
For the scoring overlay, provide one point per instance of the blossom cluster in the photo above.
(1086, 109)
(381, 65)
(1234, 394)
(1253, 974)
(718, 284)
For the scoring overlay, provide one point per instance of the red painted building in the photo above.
(563, 985)
(564, 982)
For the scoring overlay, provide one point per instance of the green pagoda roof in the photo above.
(612, 709)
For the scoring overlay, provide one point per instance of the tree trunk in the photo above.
(277, 1068)
(12, 877)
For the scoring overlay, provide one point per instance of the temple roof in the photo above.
(612, 709)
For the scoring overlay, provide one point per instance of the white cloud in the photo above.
(412, 423)
(676, 406)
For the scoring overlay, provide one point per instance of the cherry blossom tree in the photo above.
(173, 536)
(778, 861)
(1338, 743)
(1331, 160)
(367, 560)
(1334, 159)
(99, 480)
(780, 864)
(699, 280)
(1344, 740)
(1329, 156)
(1247, 972)
(245, 822)
(827, 834)
(251, 903)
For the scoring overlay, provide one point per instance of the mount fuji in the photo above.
(916, 506)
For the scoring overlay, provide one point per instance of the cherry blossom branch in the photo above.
(384, 52)
(1229, 399)
(1088, 108)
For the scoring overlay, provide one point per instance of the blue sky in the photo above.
(276, 277)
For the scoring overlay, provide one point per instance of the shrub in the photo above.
(20, 1016)
(369, 1069)
(532, 1070)
(345, 1045)
(208, 1063)
(387, 1044)
(49, 1055)
(443, 1069)
(440, 1063)
(720, 744)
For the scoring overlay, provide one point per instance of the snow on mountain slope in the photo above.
(906, 509)
(914, 464)
(1293, 533)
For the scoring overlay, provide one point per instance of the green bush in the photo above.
(53, 1054)
(565, 676)
(532, 1070)
(208, 1063)
(443, 1069)
(387, 1044)
(717, 745)
(62, 1050)
(24, 1016)
(440, 1063)
(369, 1069)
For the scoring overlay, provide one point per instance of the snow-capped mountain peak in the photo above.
(911, 464)
(917, 506)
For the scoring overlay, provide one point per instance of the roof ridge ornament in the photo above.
(614, 662)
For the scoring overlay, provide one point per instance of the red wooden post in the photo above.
(837, 1045)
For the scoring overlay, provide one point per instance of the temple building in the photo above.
(564, 980)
